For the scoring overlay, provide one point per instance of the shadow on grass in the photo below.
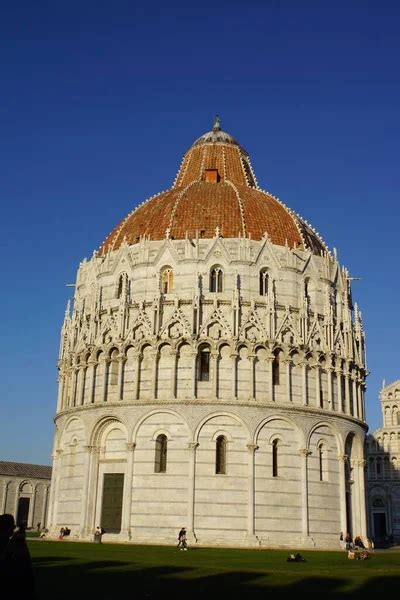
(108, 579)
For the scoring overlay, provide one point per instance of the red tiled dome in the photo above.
(215, 188)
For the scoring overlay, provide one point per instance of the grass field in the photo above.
(107, 571)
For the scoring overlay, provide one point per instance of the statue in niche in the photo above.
(174, 331)
(138, 333)
(107, 337)
(214, 331)
(251, 333)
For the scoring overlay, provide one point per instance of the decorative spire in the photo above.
(217, 123)
(68, 310)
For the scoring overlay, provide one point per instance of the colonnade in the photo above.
(239, 373)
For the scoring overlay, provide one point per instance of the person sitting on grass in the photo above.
(295, 558)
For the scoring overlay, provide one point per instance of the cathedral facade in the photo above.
(212, 372)
(383, 475)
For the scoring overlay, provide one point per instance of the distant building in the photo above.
(383, 472)
(24, 492)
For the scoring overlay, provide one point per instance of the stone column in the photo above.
(54, 489)
(362, 398)
(174, 358)
(339, 390)
(91, 380)
(194, 374)
(84, 500)
(288, 363)
(32, 508)
(4, 499)
(355, 497)
(234, 356)
(192, 489)
(74, 380)
(317, 386)
(362, 503)
(16, 500)
(304, 454)
(252, 386)
(303, 365)
(51, 493)
(270, 360)
(347, 390)
(251, 493)
(44, 506)
(81, 393)
(342, 458)
(121, 371)
(60, 393)
(153, 383)
(92, 477)
(136, 375)
(355, 398)
(214, 374)
(104, 389)
(67, 385)
(127, 501)
(329, 371)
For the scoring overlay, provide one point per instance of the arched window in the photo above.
(264, 282)
(204, 364)
(167, 280)
(216, 279)
(275, 458)
(307, 290)
(220, 455)
(122, 285)
(321, 462)
(160, 463)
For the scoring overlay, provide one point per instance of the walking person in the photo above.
(98, 534)
(182, 543)
(349, 542)
(341, 541)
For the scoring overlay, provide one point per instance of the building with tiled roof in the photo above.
(195, 207)
(24, 492)
(211, 372)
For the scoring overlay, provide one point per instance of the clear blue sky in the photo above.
(99, 100)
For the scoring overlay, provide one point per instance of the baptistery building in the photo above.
(211, 372)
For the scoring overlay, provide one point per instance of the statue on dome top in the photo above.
(217, 123)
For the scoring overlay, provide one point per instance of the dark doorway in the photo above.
(23, 512)
(380, 525)
(111, 510)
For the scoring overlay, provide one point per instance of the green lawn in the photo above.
(106, 571)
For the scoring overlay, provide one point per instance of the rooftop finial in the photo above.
(217, 123)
